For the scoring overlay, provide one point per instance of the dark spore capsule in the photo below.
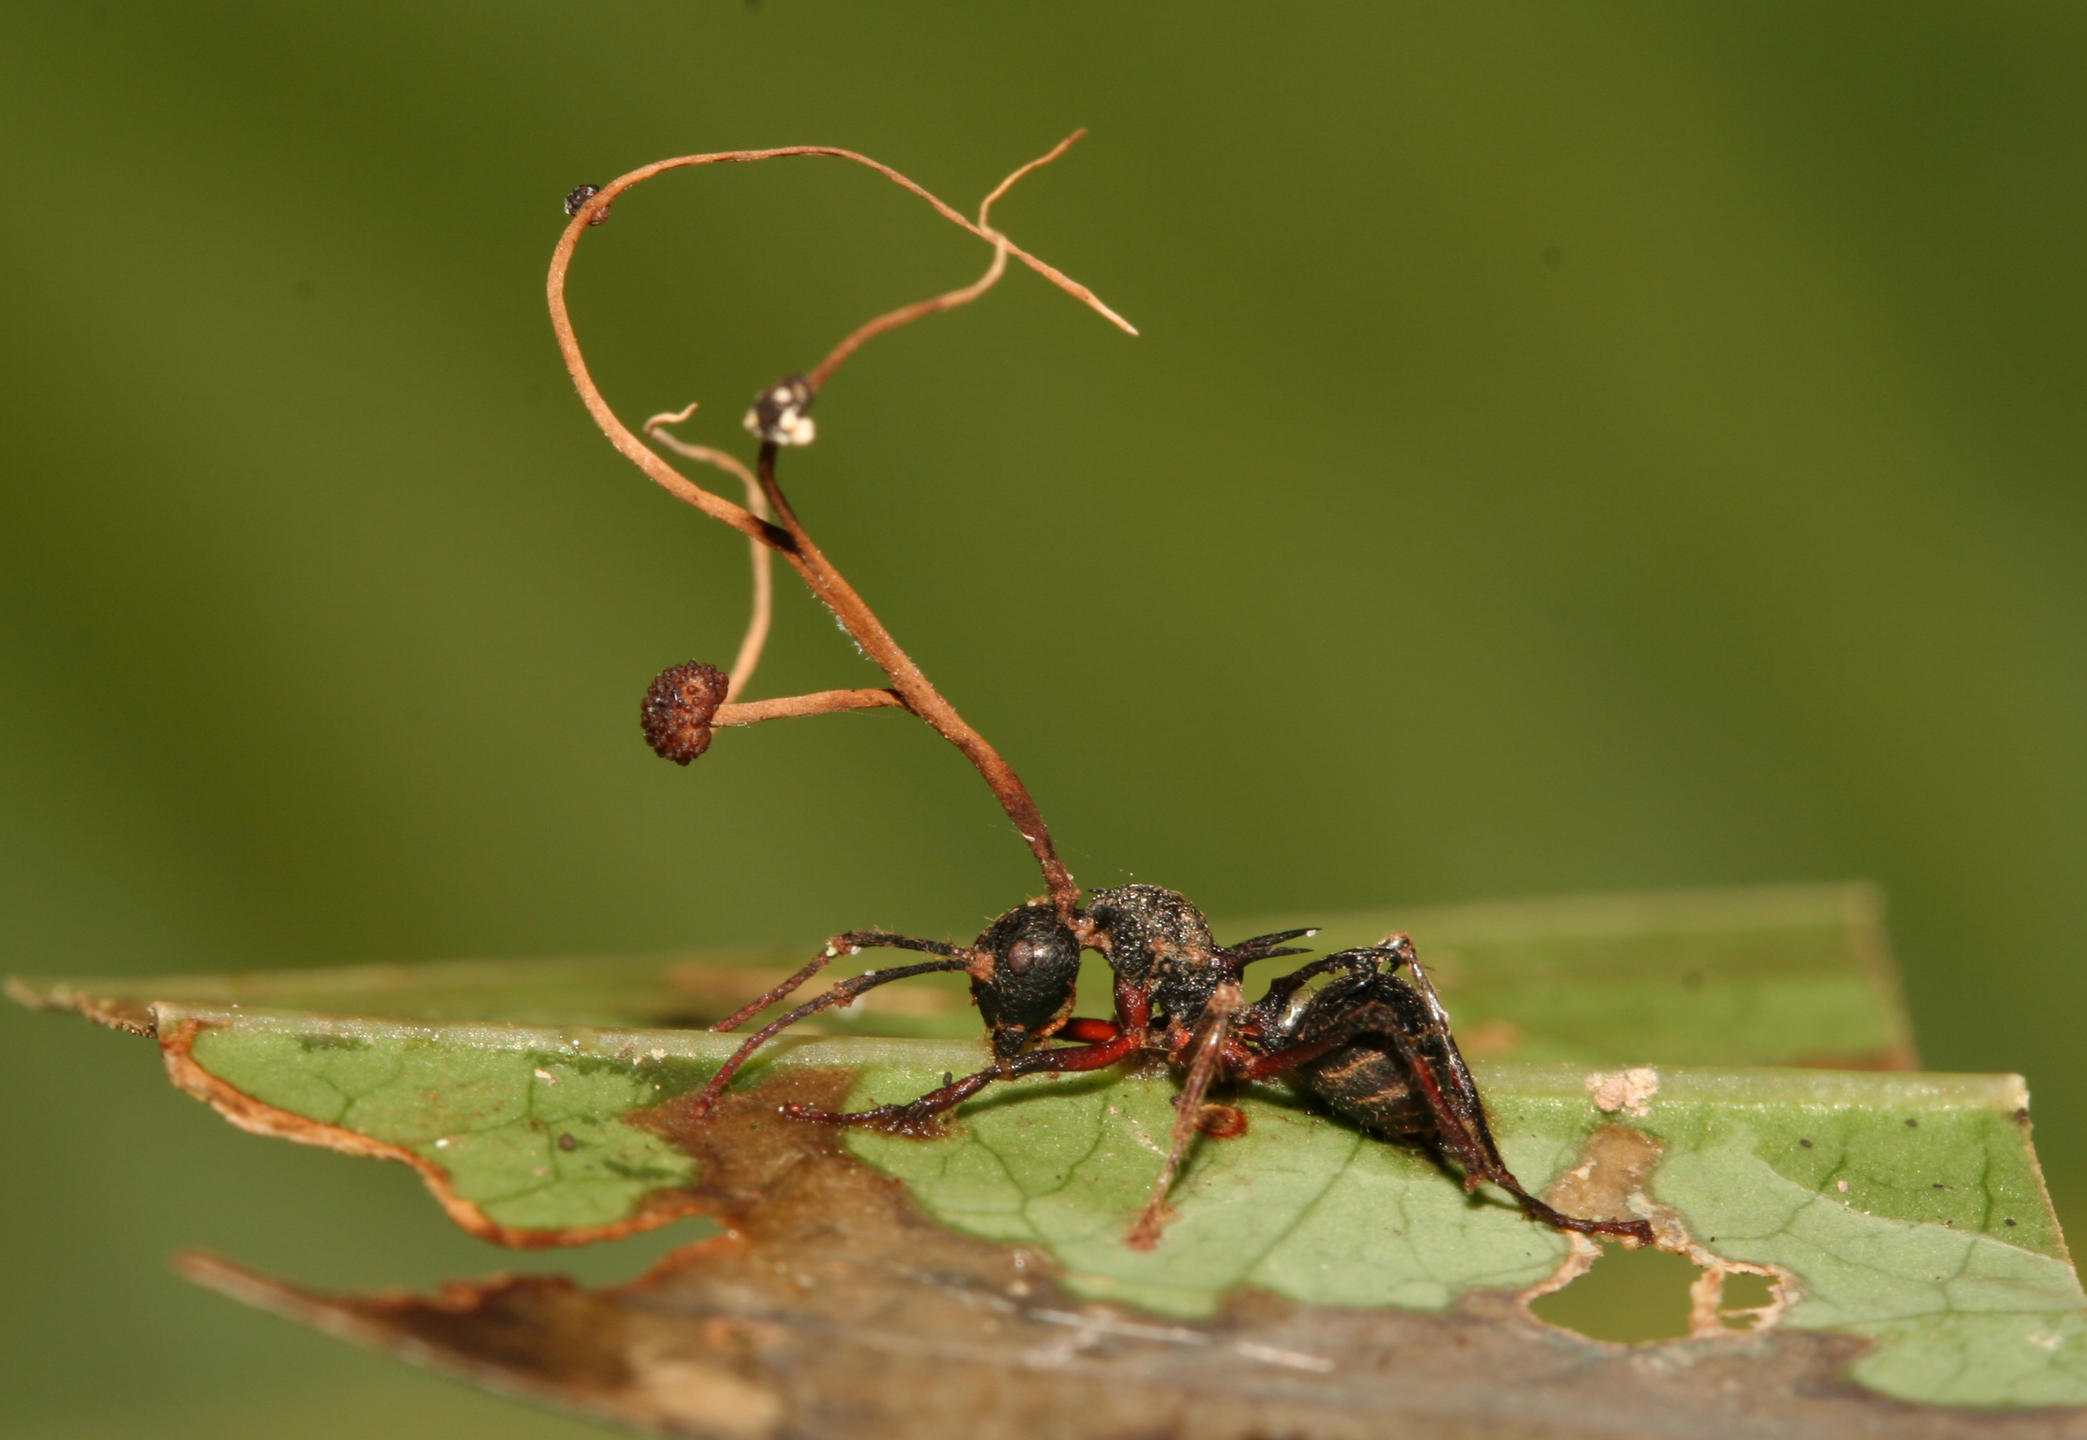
(579, 196)
(678, 708)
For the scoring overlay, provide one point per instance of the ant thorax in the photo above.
(1160, 941)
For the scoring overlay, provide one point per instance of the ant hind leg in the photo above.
(1444, 1082)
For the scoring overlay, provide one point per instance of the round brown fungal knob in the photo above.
(678, 708)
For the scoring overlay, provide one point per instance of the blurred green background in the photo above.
(1569, 449)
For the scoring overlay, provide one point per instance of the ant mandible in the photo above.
(1372, 1042)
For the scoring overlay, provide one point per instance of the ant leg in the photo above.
(1354, 962)
(1133, 1004)
(1066, 1059)
(841, 994)
(1212, 1029)
(1411, 1016)
(1276, 1062)
(1445, 1083)
(1089, 1032)
(1362, 1018)
(852, 943)
(1265, 947)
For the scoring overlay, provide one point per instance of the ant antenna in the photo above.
(686, 703)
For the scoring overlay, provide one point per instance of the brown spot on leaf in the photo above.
(1612, 1171)
(862, 1325)
(1610, 1183)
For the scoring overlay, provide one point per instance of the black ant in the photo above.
(1373, 1045)
(1372, 1042)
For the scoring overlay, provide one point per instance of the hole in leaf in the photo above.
(1744, 1292)
(1629, 1296)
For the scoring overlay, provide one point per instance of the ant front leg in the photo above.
(842, 994)
(853, 942)
(1089, 1032)
(1069, 1059)
(1206, 1054)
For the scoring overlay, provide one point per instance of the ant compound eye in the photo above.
(678, 708)
(1023, 954)
(779, 414)
(580, 195)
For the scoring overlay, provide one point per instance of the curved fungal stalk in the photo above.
(778, 419)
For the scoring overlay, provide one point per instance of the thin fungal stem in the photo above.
(907, 314)
(792, 707)
(764, 571)
(908, 683)
(985, 206)
(919, 695)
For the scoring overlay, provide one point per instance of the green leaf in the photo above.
(1898, 1220)
(1891, 1202)
(1941, 1246)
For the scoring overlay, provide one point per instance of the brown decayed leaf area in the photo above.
(832, 1308)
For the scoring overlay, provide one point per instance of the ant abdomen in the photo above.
(1366, 1080)
(1026, 969)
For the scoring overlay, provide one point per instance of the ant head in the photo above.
(1024, 970)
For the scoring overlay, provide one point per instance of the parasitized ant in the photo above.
(1372, 1042)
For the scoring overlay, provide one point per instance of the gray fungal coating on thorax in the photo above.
(1157, 937)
